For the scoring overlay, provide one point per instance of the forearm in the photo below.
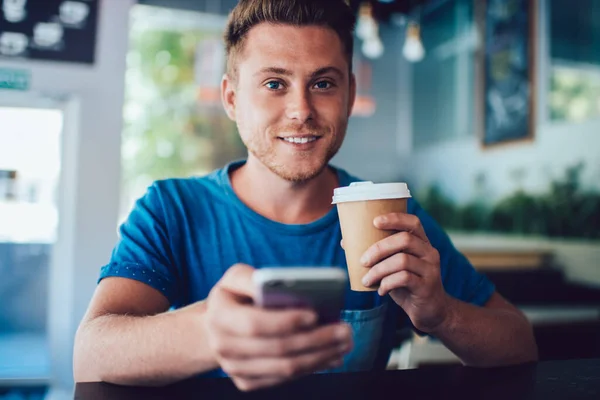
(485, 337)
(152, 350)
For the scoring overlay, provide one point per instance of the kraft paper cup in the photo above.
(358, 205)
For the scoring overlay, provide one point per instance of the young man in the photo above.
(192, 244)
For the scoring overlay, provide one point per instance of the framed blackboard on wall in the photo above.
(50, 30)
(509, 27)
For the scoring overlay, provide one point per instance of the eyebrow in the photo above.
(327, 70)
(286, 72)
(274, 70)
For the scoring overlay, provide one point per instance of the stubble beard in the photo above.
(267, 156)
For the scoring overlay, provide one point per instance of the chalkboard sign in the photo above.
(51, 30)
(509, 70)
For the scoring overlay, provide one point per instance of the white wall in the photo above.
(555, 147)
(454, 165)
(91, 173)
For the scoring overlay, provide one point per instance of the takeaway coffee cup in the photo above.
(358, 205)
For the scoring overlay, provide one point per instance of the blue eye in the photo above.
(273, 85)
(323, 85)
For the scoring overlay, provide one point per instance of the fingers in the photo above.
(399, 280)
(401, 222)
(395, 264)
(247, 385)
(402, 242)
(234, 294)
(253, 383)
(238, 280)
(259, 347)
(245, 320)
(337, 335)
(284, 367)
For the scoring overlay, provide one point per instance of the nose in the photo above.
(299, 106)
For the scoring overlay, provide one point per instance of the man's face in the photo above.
(292, 98)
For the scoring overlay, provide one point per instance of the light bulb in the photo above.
(366, 26)
(413, 47)
(373, 48)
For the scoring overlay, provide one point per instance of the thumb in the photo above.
(238, 280)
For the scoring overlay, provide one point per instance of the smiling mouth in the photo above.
(300, 139)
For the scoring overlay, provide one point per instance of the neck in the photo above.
(282, 201)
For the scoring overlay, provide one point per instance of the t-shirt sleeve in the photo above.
(143, 251)
(459, 278)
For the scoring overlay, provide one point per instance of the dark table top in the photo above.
(572, 379)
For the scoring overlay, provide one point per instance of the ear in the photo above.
(352, 96)
(228, 96)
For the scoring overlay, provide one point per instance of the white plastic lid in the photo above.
(363, 191)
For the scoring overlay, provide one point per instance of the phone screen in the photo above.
(325, 297)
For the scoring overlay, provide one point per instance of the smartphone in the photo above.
(320, 289)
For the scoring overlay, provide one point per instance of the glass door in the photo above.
(30, 164)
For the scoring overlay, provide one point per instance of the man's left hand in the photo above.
(406, 266)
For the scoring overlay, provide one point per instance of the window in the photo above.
(575, 58)
(30, 163)
(174, 123)
(444, 82)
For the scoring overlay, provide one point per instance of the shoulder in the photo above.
(181, 191)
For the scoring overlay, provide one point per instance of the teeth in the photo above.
(300, 140)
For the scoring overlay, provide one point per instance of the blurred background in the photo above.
(490, 110)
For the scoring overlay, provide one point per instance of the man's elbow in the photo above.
(521, 348)
(530, 351)
(534, 356)
(533, 353)
(84, 373)
(83, 365)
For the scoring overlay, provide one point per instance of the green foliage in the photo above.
(565, 210)
(519, 213)
(574, 94)
(474, 216)
(167, 132)
(571, 209)
(441, 208)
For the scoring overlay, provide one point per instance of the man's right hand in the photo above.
(259, 348)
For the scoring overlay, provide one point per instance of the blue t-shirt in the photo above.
(183, 235)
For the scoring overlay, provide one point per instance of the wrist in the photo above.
(196, 322)
(448, 317)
